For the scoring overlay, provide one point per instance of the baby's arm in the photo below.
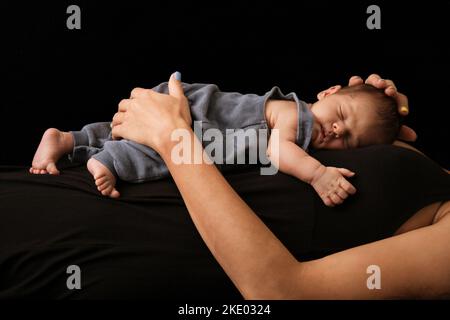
(329, 182)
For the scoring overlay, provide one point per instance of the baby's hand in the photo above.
(332, 187)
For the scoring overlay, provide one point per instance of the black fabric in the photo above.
(144, 245)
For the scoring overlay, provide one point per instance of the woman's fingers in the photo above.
(124, 104)
(376, 81)
(148, 115)
(389, 87)
(391, 90)
(389, 84)
(373, 79)
(139, 92)
(355, 80)
(116, 131)
(116, 125)
(402, 102)
(117, 119)
(383, 84)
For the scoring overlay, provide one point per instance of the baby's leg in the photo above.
(127, 160)
(89, 141)
(89, 147)
(132, 162)
(54, 144)
(80, 145)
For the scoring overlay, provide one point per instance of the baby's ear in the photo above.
(330, 90)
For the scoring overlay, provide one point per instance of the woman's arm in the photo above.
(262, 268)
(412, 264)
(415, 264)
(246, 249)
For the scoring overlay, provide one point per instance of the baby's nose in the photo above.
(337, 130)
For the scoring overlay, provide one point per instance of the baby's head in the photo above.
(352, 117)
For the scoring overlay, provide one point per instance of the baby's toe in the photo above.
(107, 191)
(100, 181)
(115, 194)
(102, 187)
(51, 168)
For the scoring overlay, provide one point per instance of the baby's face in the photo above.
(343, 121)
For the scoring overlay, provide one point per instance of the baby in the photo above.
(342, 118)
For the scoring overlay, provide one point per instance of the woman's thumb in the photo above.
(175, 87)
(407, 134)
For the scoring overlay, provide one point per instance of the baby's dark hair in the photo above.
(389, 119)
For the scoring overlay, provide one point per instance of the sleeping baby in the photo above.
(342, 118)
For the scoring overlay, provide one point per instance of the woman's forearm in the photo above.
(254, 259)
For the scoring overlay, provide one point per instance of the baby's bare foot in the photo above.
(104, 179)
(54, 144)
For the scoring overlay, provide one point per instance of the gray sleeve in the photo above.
(219, 109)
(305, 118)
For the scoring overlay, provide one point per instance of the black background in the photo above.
(63, 78)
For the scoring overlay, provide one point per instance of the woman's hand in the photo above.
(149, 117)
(389, 88)
(406, 133)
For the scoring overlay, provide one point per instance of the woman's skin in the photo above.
(415, 263)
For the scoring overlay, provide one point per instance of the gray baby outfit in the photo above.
(134, 162)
